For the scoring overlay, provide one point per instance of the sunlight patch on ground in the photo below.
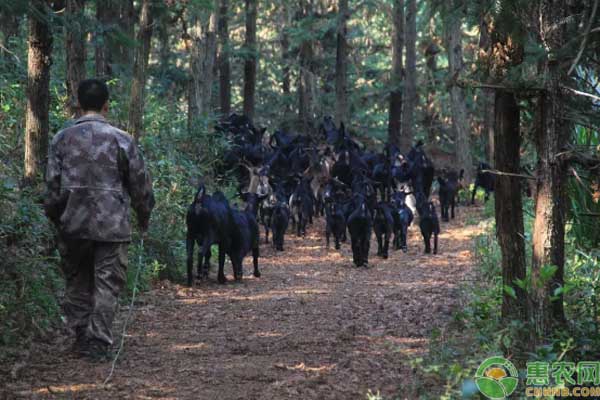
(50, 389)
(190, 346)
(304, 368)
(268, 334)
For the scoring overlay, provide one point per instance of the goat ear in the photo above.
(200, 193)
(342, 128)
(462, 173)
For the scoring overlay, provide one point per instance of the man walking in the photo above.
(94, 172)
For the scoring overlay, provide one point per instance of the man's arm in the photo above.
(139, 184)
(53, 203)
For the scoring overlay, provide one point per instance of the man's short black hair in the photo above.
(92, 94)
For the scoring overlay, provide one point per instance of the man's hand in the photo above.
(143, 225)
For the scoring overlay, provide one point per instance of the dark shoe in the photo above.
(95, 351)
(79, 344)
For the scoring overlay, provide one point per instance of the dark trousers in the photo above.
(95, 274)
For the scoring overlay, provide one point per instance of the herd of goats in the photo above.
(290, 179)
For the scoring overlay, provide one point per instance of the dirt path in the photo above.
(313, 327)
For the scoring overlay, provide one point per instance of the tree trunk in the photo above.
(550, 199)
(431, 121)
(487, 95)
(224, 67)
(164, 47)
(551, 138)
(38, 94)
(124, 53)
(306, 79)
(136, 104)
(9, 25)
(202, 62)
(488, 100)
(458, 106)
(410, 94)
(341, 106)
(250, 59)
(509, 217)
(75, 51)
(286, 57)
(107, 17)
(395, 110)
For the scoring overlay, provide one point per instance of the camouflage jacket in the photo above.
(94, 172)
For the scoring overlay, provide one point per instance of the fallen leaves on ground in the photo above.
(313, 327)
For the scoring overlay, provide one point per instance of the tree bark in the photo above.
(124, 52)
(431, 121)
(136, 104)
(250, 59)
(341, 105)
(9, 25)
(306, 79)
(164, 47)
(410, 93)
(38, 94)
(395, 109)
(487, 95)
(203, 52)
(488, 100)
(224, 66)
(458, 106)
(107, 17)
(75, 51)
(509, 205)
(286, 57)
(551, 138)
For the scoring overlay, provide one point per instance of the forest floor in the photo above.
(313, 327)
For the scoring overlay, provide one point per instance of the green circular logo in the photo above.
(496, 378)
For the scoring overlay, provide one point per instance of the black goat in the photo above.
(429, 224)
(403, 217)
(383, 224)
(279, 222)
(266, 214)
(244, 237)
(360, 226)
(208, 219)
(302, 207)
(485, 180)
(448, 192)
(335, 223)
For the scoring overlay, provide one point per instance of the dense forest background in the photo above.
(514, 83)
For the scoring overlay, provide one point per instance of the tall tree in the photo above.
(250, 59)
(488, 94)
(508, 204)
(75, 51)
(136, 103)
(551, 137)
(410, 93)
(224, 67)
(39, 55)
(285, 20)
(458, 105)
(106, 16)
(124, 54)
(432, 119)
(395, 109)
(202, 50)
(341, 80)
(9, 27)
(306, 75)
